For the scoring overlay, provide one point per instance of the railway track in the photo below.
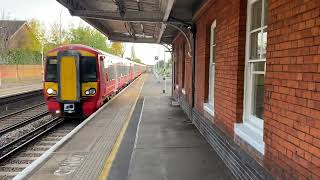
(10, 104)
(18, 143)
(30, 152)
(22, 117)
(18, 97)
(21, 128)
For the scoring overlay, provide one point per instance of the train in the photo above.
(79, 79)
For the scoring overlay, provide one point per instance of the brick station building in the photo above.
(252, 85)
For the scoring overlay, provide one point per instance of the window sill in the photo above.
(251, 135)
(183, 91)
(208, 108)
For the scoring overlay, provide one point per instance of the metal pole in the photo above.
(164, 70)
(0, 75)
(42, 63)
(165, 85)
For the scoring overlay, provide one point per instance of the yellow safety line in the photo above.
(108, 163)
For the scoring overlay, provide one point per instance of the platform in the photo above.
(19, 89)
(137, 136)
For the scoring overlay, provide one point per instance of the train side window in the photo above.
(51, 69)
(111, 72)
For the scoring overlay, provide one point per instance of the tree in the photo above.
(57, 34)
(133, 55)
(4, 36)
(87, 36)
(117, 49)
(36, 35)
(3, 43)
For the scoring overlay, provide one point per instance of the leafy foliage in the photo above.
(117, 49)
(164, 68)
(57, 34)
(87, 36)
(36, 35)
(37, 42)
(133, 56)
(23, 56)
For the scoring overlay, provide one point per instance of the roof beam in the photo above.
(102, 28)
(167, 11)
(131, 30)
(126, 38)
(129, 16)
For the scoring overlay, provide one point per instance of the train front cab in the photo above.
(72, 83)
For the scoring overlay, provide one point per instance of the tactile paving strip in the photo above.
(102, 148)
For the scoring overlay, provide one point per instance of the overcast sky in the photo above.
(48, 12)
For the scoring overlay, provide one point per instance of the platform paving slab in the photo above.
(83, 156)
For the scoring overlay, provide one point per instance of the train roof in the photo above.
(92, 50)
(119, 58)
(74, 47)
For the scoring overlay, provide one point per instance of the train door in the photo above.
(115, 66)
(68, 72)
(103, 75)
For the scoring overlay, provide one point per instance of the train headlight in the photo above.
(51, 91)
(92, 91)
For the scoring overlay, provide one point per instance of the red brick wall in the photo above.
(230, 58)
(20, 72)
(292, 102)
(185, 72)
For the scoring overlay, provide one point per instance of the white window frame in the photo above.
(251, 130)
(209, 105)
(183, 90)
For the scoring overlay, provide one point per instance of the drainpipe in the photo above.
(194, 32)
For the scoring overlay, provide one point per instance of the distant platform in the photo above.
(19, 89)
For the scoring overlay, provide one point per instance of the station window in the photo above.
(209, 106)
(251, 129)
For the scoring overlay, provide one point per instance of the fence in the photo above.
(20, 73)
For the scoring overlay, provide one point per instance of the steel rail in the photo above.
(17, 97)
(17, 144)
(20, 111)
(24, 122)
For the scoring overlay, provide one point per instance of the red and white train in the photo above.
(79, 79)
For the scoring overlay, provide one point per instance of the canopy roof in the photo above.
(140, 21)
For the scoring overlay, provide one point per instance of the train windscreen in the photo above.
(88, 69)
(51, 70)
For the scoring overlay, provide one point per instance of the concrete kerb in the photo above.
(35, 164)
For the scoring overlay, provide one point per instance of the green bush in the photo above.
(23, 56)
